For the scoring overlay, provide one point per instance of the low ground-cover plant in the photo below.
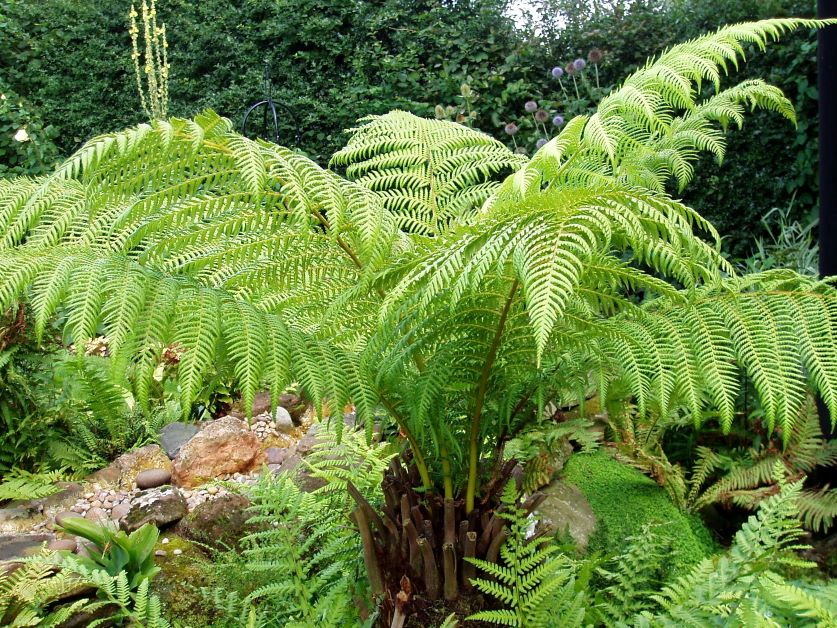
(444, 279)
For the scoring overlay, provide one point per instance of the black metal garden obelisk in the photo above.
(827, 68)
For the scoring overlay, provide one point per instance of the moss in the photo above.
(624, 500)
(179, 581)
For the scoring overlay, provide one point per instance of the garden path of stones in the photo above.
(169, 484)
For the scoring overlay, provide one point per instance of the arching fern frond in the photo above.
(429, 173)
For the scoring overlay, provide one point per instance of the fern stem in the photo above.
(418, 457)
(447, 476)
(482, 388)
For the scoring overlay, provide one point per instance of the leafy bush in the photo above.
(625, 501)
(26, 143)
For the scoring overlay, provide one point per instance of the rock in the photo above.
(14, 519)
(212, 490)
(19, 545)
(68, 545)
(156, 505)
(174, 435)
(567, 511)
(181, 575)
(277, 455)
(295, 405)
(61, 500)
(120, 511)
(224, 446)
(63, 516)
(219, 523)
(289, 464)
(283, 420)
(96, 514)
(152, 478)
(122, 472)
(95, 504)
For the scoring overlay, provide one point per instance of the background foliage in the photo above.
(334, 63)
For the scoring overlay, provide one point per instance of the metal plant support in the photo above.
(270, 116)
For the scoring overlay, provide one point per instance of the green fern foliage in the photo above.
(429, 173)
(22, 484)
(304, 563)
(746, 477)
(533, 582)
(577, 269)
(745, 586)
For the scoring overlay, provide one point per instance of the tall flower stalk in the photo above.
(153, 63)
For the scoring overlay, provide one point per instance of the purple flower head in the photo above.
(541, 115)
(531, 106)
(540, 143)
(511, 128)
(557, 72)
(579, 64)
(558, 120)
(594, 56)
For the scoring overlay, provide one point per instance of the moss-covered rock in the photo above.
(624, 499)
(184, 569)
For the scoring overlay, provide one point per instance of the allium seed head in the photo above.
(594, 56)
(557, 72)
(570, 68)
(541, 115)
(511, 128)
(540, 143)
(531, 106)
(579, 64)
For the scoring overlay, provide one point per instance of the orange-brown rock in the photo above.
(224, 446)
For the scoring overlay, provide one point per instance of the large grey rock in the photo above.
(159, 506)
(224, 446)
(566, 511)
(174, 435)
(14, 546)
(219, 522)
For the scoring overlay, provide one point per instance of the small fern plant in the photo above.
(745, 586)
(533, 581)
(304, 564)
(746, 476)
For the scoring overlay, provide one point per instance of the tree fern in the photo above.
(184, 233)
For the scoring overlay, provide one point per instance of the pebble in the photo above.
(212, 490)
(177, 552)
(160, 553)
(96, 503)
(89, 495)
(165, 540)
